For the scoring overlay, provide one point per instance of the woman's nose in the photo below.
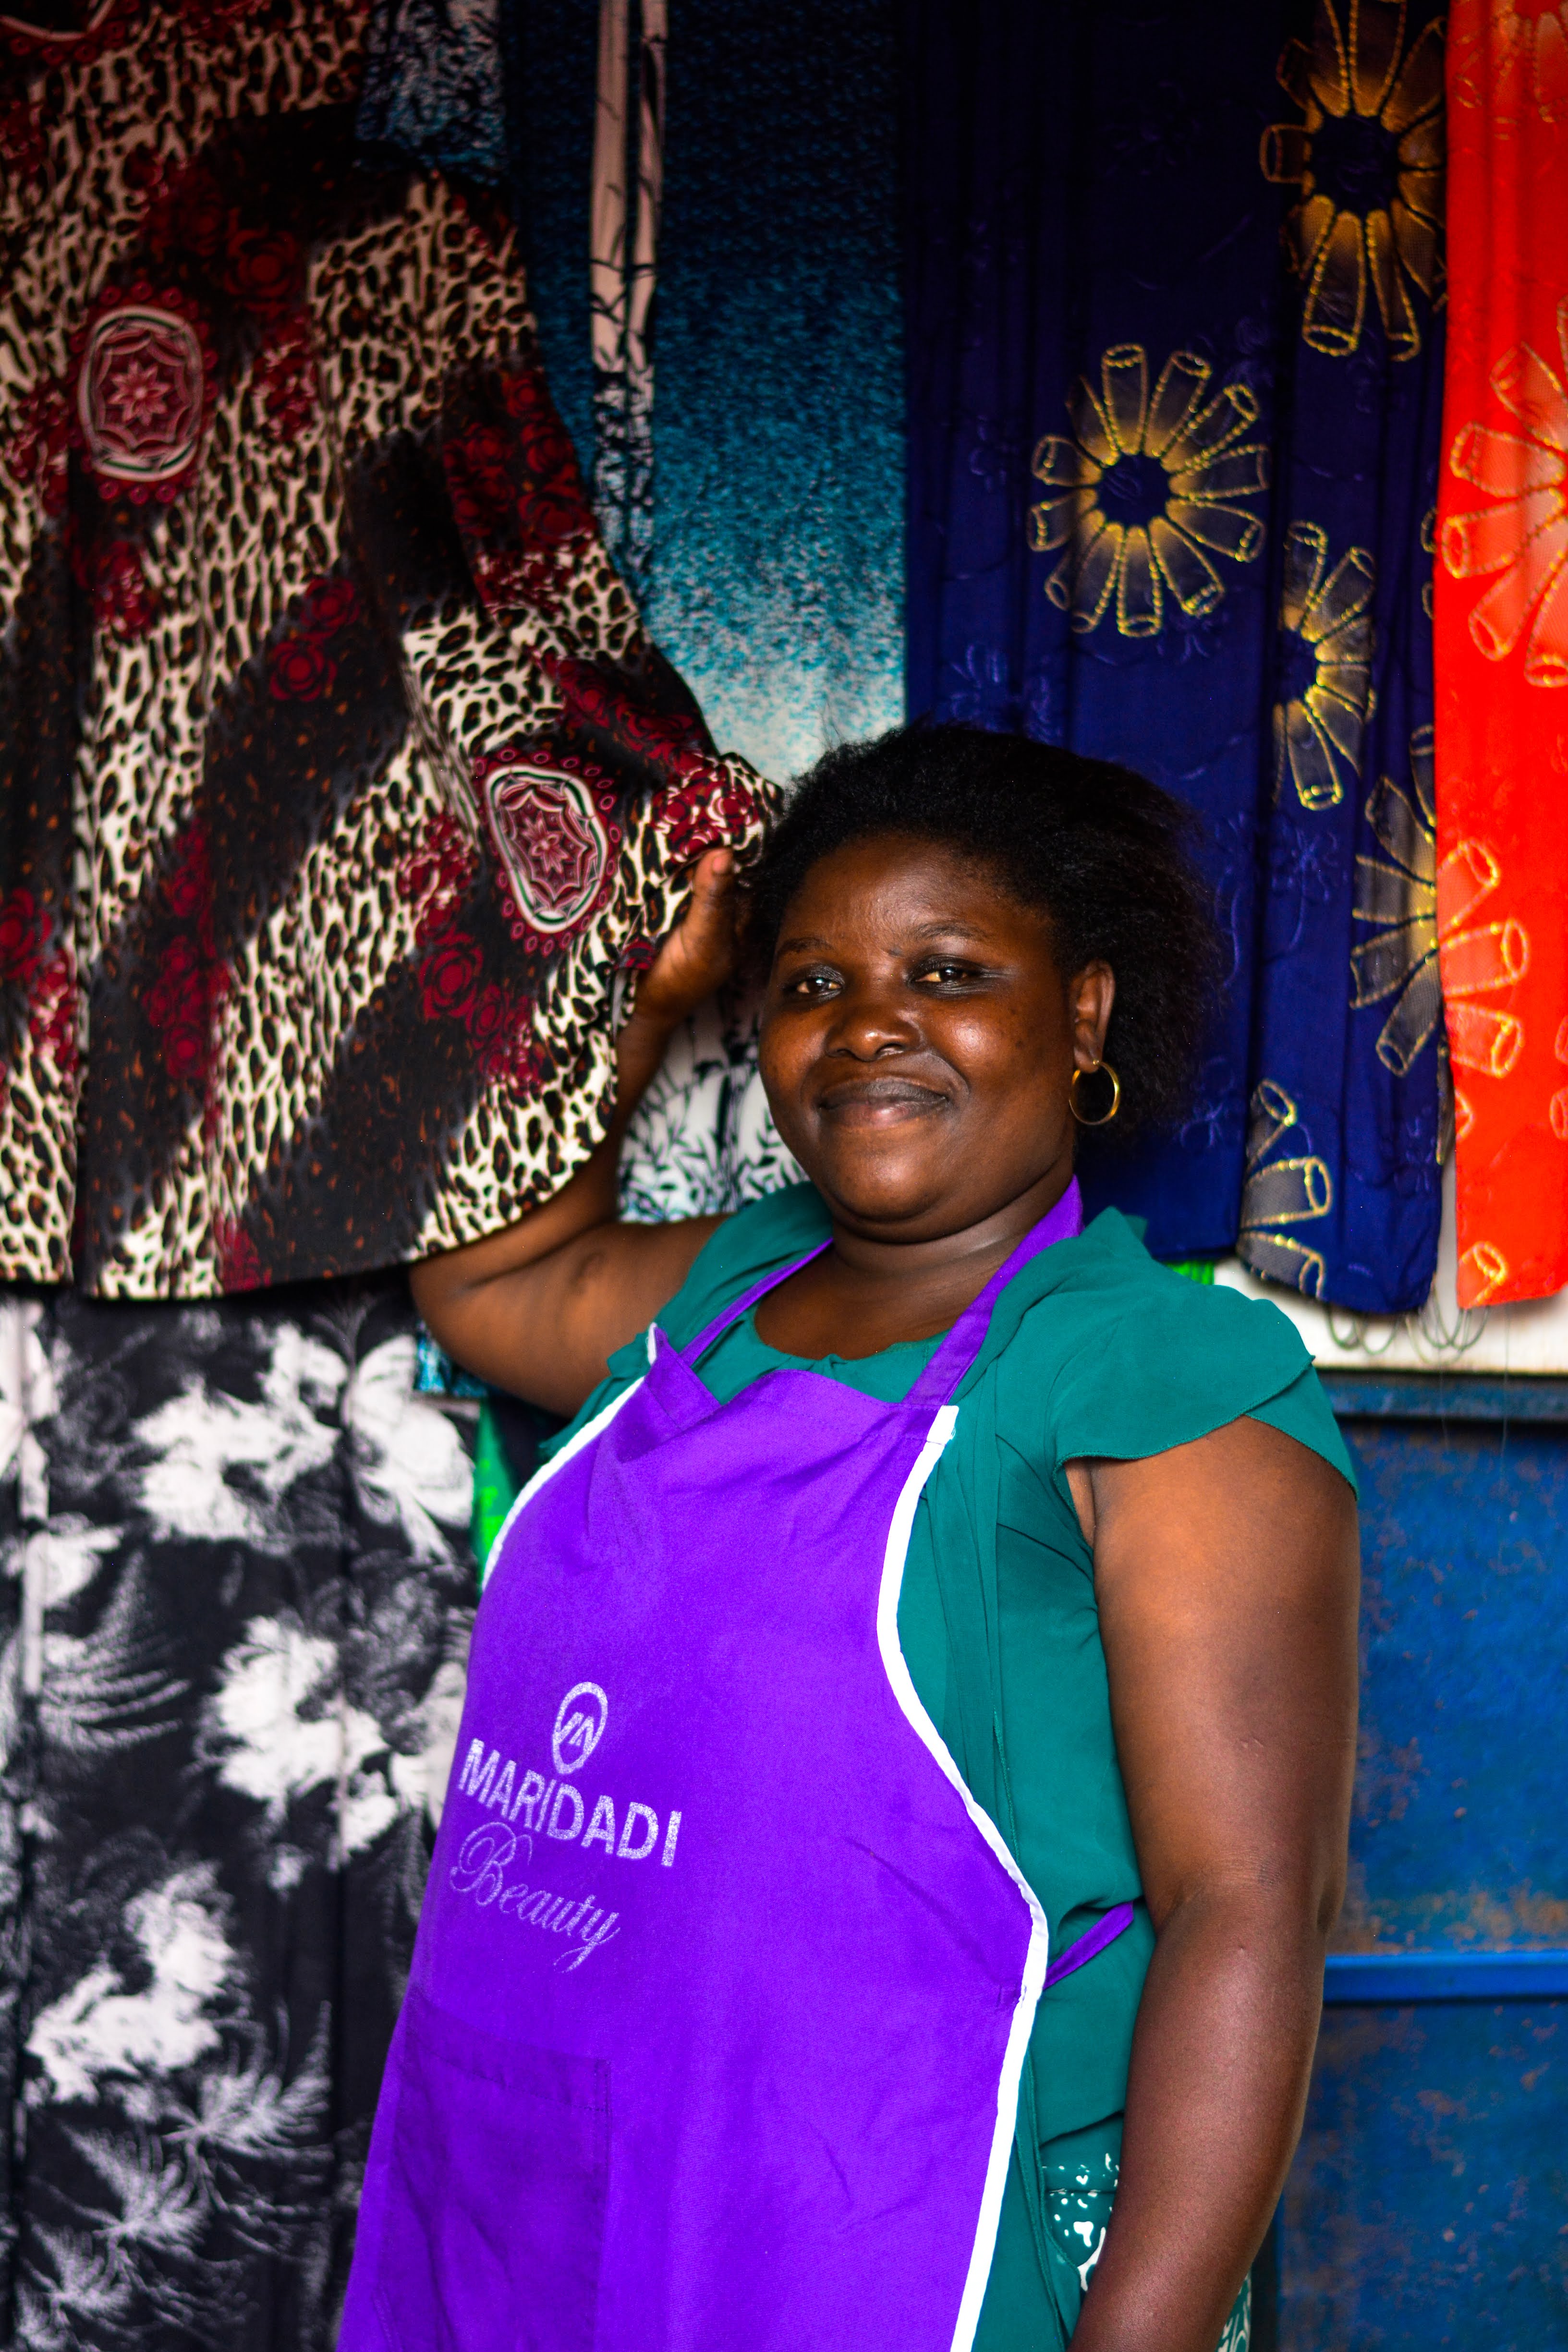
(873, 1019)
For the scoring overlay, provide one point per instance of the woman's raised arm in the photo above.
(540, 1307)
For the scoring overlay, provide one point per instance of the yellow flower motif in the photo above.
(1477, 960)
(1429, 547)
(1143, 487)
(1326, 667)
(1558, 1109)
(1525, 537)
(1398, 892)
(1423, 915)
(1368, 160)
(1282, 1189)
(1483, 1270)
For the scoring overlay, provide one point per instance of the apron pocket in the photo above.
(494, 2221)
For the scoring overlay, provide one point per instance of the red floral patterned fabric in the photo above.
(340, 790)
(1502, 630)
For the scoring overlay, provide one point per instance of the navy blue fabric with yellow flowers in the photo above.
(1175, 287)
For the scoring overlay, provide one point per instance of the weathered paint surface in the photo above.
(1428, 2205)
(1461, 1827)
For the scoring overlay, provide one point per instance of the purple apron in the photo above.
(724, 1982)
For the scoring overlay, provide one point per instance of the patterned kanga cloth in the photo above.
(234, 1598)
(342, 792)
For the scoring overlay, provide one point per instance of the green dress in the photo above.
(1093, 1350)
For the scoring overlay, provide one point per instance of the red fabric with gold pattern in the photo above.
(1501, 625)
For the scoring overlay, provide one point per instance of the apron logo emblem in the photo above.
(580, 1722)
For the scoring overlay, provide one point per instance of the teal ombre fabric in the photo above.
(778, 568)
(776, 579)
(775, 583)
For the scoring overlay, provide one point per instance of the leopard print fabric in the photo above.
(343, 794)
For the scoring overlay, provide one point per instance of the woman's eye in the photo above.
(811, 984)
(945, 975)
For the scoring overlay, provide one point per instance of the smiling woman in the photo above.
(979, 1598)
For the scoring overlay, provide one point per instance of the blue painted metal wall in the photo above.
(1428, 2205)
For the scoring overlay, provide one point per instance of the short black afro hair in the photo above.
(1101, 851)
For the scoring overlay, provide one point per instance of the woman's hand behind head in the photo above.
(539, 1308)
(698, 956)
(695, 959)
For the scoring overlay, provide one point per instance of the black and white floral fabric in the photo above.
(702, 1140)
(237, 1591)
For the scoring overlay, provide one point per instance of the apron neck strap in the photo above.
(963, 1342)
(695, 1350)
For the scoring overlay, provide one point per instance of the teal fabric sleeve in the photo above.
(1112, 1355)
(1178, 1361)
(1303, 1412)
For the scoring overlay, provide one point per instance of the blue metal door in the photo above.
(1428, 2205)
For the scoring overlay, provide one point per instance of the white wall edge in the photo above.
(1531, 1338)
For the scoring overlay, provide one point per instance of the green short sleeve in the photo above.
(1303, 1412)
(1146, 1360)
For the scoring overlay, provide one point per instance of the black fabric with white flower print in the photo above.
(236, 1608)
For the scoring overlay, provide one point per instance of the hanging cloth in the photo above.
(1174, 408)
(776, 577)
(433, 85)
(1340, 1199)
(232, 1634)
(339, 781)
(1502, 636)
(700, 2041)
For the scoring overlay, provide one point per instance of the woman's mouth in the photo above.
(879, 1102)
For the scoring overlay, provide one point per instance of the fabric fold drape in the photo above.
(344, 792)
(234, 1598)
(433, 85)
(1502, 639)
(1174, 281)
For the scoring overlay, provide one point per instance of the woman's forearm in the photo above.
(1221, 2059)
(538, 1307)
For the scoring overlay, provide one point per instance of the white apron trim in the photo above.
(589, 1430)
(1035, 1962)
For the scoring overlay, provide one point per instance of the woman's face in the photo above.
(918, 1039)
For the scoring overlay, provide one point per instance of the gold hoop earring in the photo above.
(1105, 1116)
